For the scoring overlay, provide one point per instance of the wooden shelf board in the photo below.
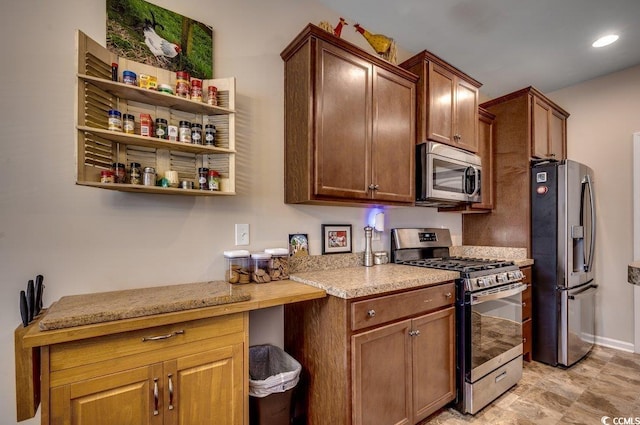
(152, 142)
(136, 188)
(156, 98)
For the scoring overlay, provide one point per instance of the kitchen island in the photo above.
(158, 368)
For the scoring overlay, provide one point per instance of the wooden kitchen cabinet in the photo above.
(187, 373)
(391, 361)
(349, 124)
(526, 315)
(447, 104)
(485, 152)
(518, 125)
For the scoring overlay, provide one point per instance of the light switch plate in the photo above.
(242, 234)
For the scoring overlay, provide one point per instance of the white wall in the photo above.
(88, 240)
(604, 115)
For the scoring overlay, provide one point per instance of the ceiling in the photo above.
(508, 44)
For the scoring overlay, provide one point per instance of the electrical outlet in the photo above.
(242, 234)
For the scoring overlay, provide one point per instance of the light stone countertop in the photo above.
(633, 273)
(360, 281)
(344, 276)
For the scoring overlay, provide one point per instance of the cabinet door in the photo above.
(343, 124)
(441, 107)
(381, 375)
(126, 398)
(466, 116)
(393, 151)
(557, 135)
(434, 368)
(485, 151)
(540, 128)
(205, 388)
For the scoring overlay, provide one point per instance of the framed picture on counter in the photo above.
(336, 238)
(298, 244)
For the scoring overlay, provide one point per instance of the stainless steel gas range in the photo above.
(488, 314)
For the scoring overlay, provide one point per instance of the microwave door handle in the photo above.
(476, 184)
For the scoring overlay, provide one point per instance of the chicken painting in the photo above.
(383, 45)
(162, 49)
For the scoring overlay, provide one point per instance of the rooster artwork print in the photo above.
(151, 35)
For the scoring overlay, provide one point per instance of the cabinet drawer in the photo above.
(96, 350)
(384, 309)
(526, 303)
(526, 337)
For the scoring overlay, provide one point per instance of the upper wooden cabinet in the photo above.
(349, 124)
(524, 120)
(447, 105)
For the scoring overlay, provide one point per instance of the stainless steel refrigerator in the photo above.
(563, 231)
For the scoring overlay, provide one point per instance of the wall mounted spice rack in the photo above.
(97, 147)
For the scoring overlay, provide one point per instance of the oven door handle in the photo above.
(480, 298)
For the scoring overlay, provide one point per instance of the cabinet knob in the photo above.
(524, 304)
(414, 333)
(524, 340)
(448, 295)
(374, 186)
(371, 313)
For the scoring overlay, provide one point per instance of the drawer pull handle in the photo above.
(448, 295)
(501, 376)
(524, 340)
(155, 397)
(524, 304)
(414, 333)
(161, 337)
(170, 393)
(371, 313)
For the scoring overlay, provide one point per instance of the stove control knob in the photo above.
(502, 278)
(480, 282)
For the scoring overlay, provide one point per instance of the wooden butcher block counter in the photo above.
(159, 355)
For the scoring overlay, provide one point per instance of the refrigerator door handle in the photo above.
(588, 185)
(585, 292)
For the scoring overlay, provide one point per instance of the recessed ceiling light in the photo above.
(605, 41)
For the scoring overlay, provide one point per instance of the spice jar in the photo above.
(172, 130)
(213, 179)
(237, 266)
(135, 173)
(212, 96)
(203, 175)
(106, 176)
(161, 131)
(119, 172)
(182, 84)
(149, 176)
(259, 267)
(129, 123)
(210, 135)
(146, 125)
(196, 133)
(279, 263)
(129, 77)
(196, 89)
(114, 71)
(184, 132)
(115, 120)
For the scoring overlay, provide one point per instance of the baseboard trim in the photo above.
(614, 343)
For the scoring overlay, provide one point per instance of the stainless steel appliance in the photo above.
(488, 314)
(563, 229)
(446, 176)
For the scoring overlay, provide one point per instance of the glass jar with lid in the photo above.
(279, 263)
(260, 267)
(237, 270)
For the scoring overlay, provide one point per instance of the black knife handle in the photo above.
(37, 303)
(30, 299)
(24, 310)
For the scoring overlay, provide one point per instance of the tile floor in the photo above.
(605, 383)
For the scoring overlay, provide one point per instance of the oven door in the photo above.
(495, 328)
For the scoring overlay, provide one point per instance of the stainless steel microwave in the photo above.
(446, 175)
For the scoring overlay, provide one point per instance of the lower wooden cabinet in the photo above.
(357, 372)
(187, 373)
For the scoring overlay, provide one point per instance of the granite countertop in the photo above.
(633, 273)
(359, 281)
(344, 276)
